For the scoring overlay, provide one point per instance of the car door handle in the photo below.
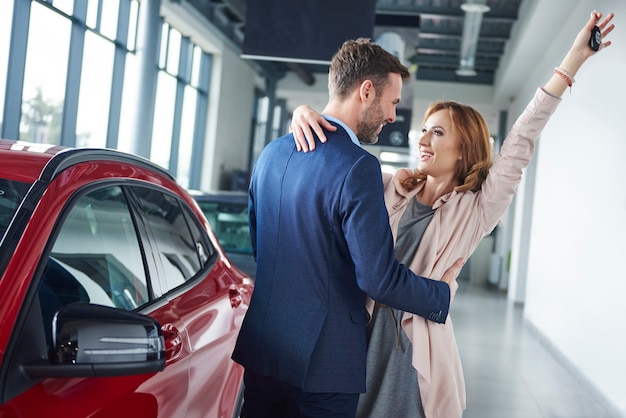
(173, 341)
(235, 294)
(239, 293)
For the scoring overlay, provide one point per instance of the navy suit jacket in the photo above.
(322, 241)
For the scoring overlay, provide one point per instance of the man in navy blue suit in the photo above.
(322, 241)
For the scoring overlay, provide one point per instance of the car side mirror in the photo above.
(93, 340)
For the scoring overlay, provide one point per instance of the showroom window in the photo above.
(181, 104)
(75, 53)
(45, 76)
(266, 125)
(71, 74)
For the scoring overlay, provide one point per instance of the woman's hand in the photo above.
(450, 276)
(580, 52)
(581, 43)
(304, 122)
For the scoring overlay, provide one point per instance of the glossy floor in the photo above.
(509, 372)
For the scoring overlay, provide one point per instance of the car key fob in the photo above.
(596, 38)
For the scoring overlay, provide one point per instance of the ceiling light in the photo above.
(392, 43)
(469, 41)
(466, 72)
(475, 7)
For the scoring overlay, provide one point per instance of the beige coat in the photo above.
(459, 223)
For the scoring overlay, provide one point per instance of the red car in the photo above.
(116, 299)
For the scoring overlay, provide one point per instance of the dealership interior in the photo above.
(201, 86)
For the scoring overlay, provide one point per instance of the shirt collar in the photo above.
(351, 134)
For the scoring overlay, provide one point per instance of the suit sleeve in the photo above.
(366, 227)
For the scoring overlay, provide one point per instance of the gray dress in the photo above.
(392, 389)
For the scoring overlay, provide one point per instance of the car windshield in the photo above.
(11, 195)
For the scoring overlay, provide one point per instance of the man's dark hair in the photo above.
(359, 60)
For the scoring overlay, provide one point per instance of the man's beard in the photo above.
(370, 121)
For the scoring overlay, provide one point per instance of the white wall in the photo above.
(575, 286)
(230, 118)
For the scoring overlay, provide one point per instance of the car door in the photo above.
(211, 312)
(96, 254)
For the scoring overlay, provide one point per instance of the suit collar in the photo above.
(351, 134)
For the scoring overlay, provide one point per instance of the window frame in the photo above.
(140, 233)
(153, 243)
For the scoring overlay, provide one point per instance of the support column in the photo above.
(15, 71)
(148, 41)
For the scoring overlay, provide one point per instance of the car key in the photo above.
(596, 38)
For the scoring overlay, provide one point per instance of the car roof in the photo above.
(23, 161)
(28, 162)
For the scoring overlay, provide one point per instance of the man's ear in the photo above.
(366, 91)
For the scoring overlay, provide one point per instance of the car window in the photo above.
(184, 253)
(11, 195)
(230, 223)
(204, 248)
(96, 257)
